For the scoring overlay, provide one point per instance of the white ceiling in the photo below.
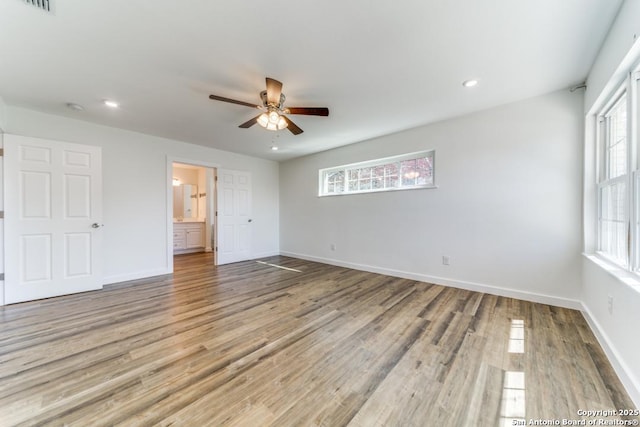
(379, 66)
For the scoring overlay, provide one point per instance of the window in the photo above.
(612, 189)
(618, 186)
(408, 171)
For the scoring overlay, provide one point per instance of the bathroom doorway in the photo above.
(192, 216)
(191, 208)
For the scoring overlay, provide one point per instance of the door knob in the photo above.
(96, 225)
(250, 220)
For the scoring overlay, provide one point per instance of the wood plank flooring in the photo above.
(249, 344)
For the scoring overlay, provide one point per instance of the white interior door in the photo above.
(234, 216)
(53, 215)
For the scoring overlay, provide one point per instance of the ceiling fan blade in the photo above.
(292, 126)
(274, 89)
(309, 111)
(232, 101)
(250, 123)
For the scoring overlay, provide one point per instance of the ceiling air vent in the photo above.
(41, 4)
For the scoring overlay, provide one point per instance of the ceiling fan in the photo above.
(273, 115)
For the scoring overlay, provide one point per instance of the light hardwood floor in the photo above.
(249, 344)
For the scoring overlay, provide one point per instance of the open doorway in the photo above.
(191, 208)
(226, 224)
(193, 213)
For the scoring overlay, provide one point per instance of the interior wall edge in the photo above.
(444, 281)
(630, 383)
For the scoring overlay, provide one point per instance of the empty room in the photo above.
(424, 213)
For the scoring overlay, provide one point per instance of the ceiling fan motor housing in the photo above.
(263, 96)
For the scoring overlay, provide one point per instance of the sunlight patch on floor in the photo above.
(278, 266)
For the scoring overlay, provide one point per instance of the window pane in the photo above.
(415, 170)
(353, 180)
(377, 183)
(613, 227)
(616, 144)
(425, 170)
(409, 173)
(335, 182)
(636, 212)
(391, 175)
(377, 171)
(365, 184)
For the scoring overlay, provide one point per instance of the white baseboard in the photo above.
(630, 383)
(1, 292)
(265, 254)
(117, 278)
(454, 283)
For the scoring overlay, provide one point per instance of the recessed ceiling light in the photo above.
(111, 104)
(470, 83)
(74, 106)
(274, 148)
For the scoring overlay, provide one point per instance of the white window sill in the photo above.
(625, 276)
(385, 190)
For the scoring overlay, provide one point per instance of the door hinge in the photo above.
(216, 249)
(216, 213)
(1, 152)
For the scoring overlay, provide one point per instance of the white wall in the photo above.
(610, 62)
(507, 210)
(617, 331)
(135, 189)
(3, 115)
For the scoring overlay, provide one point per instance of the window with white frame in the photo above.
(612, 188)
(408, 171)
(618, 190)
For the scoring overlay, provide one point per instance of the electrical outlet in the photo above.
(610, 304)
(332, 246)
(445, 260)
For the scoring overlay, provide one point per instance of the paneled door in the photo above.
(53, 214)
(234, 216)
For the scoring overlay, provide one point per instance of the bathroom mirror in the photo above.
(185, 201)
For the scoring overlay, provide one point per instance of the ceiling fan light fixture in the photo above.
(263, 120)
(272, 121)
(282, 123)
(274, 117)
